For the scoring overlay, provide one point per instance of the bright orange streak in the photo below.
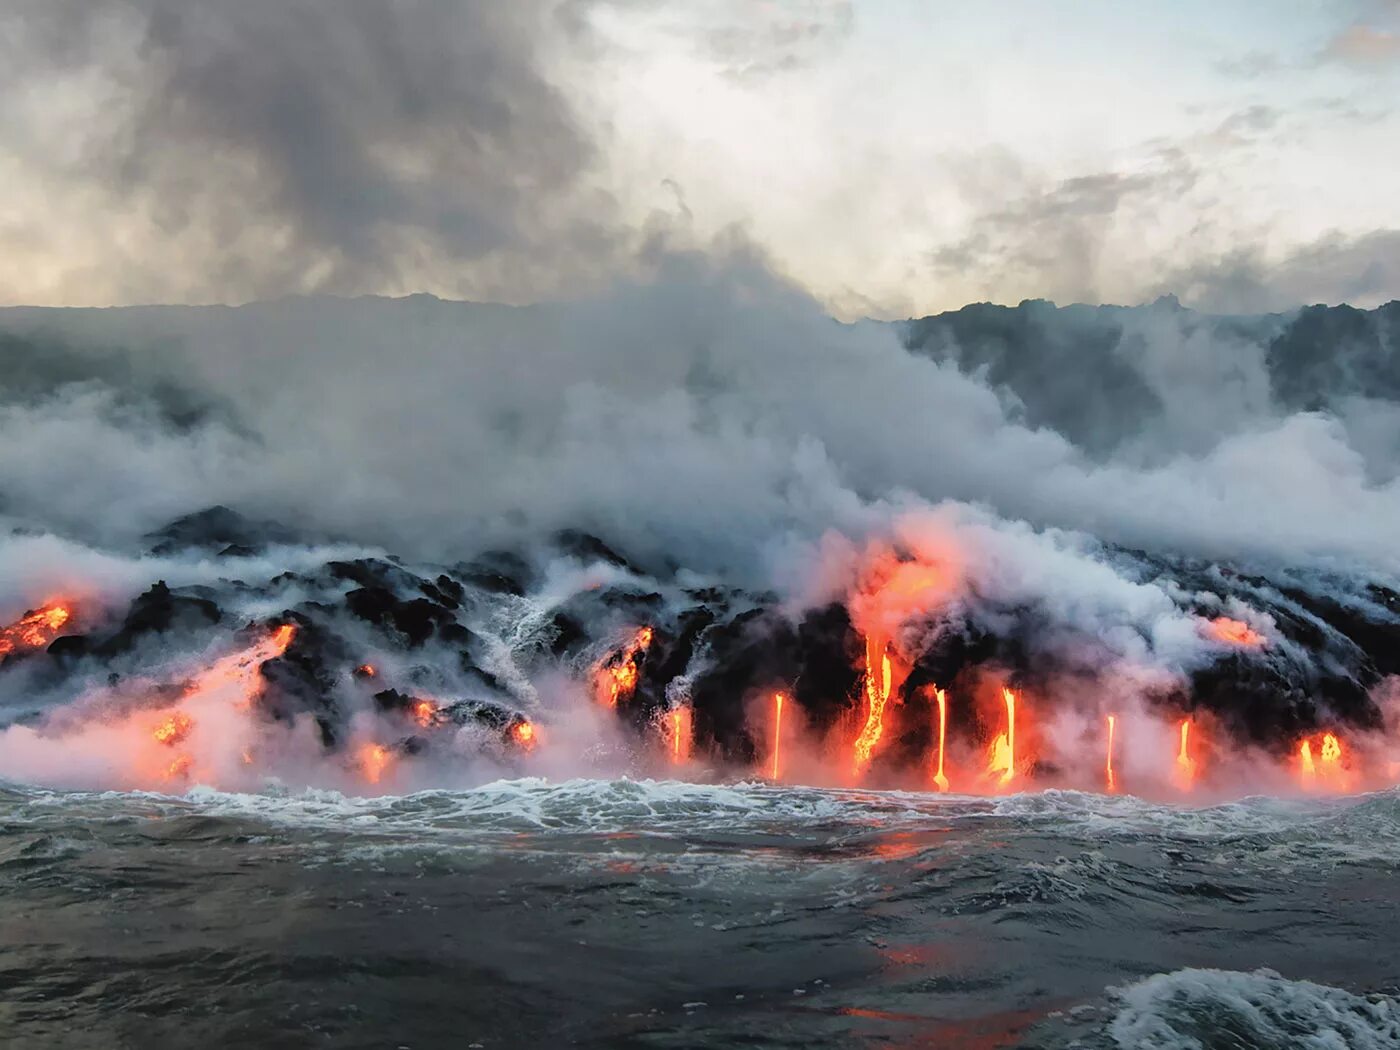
(877, 695)
(777, 732)
(178, 769)
(174, 729)
(1234, 632)
(374, 759)
(1305, 761)
(1108, 764)
(1331, 753)
(1010, 699)
(525, 734)
(938, 778)
(1003, 751)
(424, 712)
(617, 678)
(34, 629)
(680, 734)
(1185, 764)
(282, 637)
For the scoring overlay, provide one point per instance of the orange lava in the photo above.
(424, 712)
(525, 734)
(1109, 779)
(1002, 756)
(366, 671)
(34, 629)
(1185, 764)
(282, 637)
(179, 769)
(939, 780)
(173, 730)
(678, 728)
(1234, 632)
(877, 695)
(777, 734)
(1328, 765)
(617, 677)
(373, 760)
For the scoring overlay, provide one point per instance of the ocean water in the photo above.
(661, 914)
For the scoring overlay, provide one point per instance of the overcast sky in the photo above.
(895, 157)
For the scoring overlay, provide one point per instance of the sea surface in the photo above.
(646, 914)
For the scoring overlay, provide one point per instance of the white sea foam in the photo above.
(1197, 1009)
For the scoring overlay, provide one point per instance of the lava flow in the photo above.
(374, 760)
(941, 697)
(617, 678)
(34, 629)
(1327, 765)
(173, 730)
(1003, 751)
(424, 712)
(877, 695)
(1185, 765)
(777, 733)
(1234, 632)
(1110, 781)
(679, 732)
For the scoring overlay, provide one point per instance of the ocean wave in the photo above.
(1199, 1009)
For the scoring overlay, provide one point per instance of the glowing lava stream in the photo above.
(35, 629)
(680, 734)
(1108, 762)
(617, 678)
(1003, 758)
(237, 671)
(941, 697)
(1185, 764)
(777, 732)
(877, 695)
(1305, 760)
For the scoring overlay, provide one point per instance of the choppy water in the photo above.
(622, 914)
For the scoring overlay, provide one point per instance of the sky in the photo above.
(891, 157)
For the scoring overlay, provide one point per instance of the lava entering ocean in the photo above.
(898, 677)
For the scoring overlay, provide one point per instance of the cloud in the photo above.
(1051, 237)
(328, 144)
(1363, 46)
(1362, 270)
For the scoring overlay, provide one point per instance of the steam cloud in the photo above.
(717, 427)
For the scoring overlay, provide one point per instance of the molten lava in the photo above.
(877, 695)
(1234, 632)
(173, 730)
(366, 671)
(1002, 758)
(941, 697)
(179, 769)
(777, 734)
(373, 760)
(524, 734)
(1109, 779)
(34, 629)
(678, 729)
(424, 712)
(1185, 764)
(1331, 751)
(1328, 764)
(617, 678)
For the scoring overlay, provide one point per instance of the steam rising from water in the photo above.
(719, 429)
